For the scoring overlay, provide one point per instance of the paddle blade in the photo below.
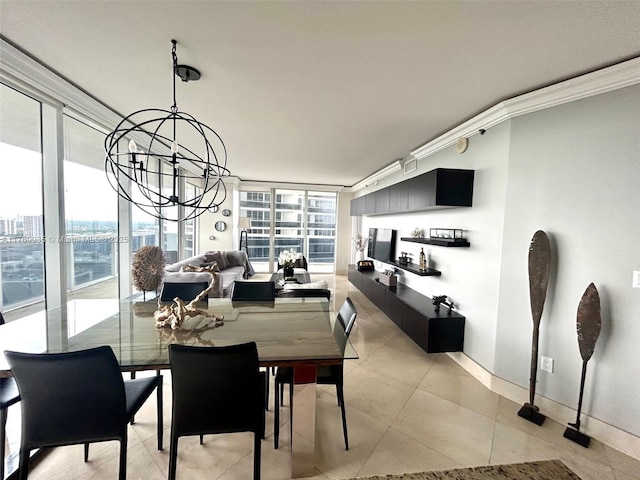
(539, 266)
(589, 321)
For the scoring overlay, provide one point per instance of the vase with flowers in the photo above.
(287, 260)
(360, 243)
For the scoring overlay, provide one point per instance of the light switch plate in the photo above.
(636, 279)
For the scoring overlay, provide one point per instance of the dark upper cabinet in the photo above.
(398, 197)
(370, 204)
(382, 201)
(439, 188)
(357, 206)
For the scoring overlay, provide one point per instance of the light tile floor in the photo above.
(406, 411)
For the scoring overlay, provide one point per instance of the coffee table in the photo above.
(300, 275)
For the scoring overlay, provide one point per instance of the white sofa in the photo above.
(234, 265)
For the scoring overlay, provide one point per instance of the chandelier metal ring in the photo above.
(153, 178)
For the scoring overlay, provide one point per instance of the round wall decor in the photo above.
(226, 212)
(221, 226)
(213, 209)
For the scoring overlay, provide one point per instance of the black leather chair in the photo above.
(216, 390)
(253, 291)
(184, 291)
(77, 397)
(8, 396)
(305, 293)
(326, 374)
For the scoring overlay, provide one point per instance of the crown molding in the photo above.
(605, 80)
(371, 179)
(21, 70)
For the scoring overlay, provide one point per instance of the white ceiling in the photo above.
(322, 92)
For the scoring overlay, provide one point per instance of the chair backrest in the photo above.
(216, 389)
(347, 315)
(305, 292)
(253, 291)
(1, 319)
(184, 291)
(68, 398)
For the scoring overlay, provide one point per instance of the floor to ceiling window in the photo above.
(257, 206)
(321, 231)
(21, 207)
(91, 211)
(285, 218)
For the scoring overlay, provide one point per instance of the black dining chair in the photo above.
(77, 398)
(8, 396)
(184, 291)
(253, 291)
(216, 390)
(325, 375)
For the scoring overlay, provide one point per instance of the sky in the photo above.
(88, 195)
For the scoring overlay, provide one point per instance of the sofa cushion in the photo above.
(322, 285)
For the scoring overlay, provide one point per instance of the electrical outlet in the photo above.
(635, 283)
(546, 364)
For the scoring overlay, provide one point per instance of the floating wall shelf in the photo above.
(430, 272)
(442, 242)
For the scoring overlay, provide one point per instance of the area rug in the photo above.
(542, 470)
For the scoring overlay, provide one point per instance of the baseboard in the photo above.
(614, 437)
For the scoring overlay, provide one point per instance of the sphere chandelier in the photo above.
(177, 149)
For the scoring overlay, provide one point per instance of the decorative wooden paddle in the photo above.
(539, 266)
(588, 325)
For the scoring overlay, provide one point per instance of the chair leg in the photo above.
(201, 439)
(122, 475)
(23, 467)
(257, 450)
(173, 457)
(3, 425)
(160, 419)
(290, 412)
(133, 419)
(266, 390)
(86, 452)
(344, 415)
(276, 413)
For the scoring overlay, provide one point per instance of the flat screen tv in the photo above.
(382, 244)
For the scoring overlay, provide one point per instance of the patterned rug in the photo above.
(543, 470)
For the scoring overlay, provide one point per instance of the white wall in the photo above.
(470, 276)
(574, 172)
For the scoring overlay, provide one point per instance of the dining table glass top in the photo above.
(286, 331)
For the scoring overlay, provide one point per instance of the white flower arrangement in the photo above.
(360, 242)
(287, 258)
(417, 233)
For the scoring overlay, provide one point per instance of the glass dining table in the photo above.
(297, 332)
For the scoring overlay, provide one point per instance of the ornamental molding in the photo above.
(605, 80)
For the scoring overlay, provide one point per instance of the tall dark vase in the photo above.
(288, 272)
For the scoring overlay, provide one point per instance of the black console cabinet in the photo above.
(413, 313)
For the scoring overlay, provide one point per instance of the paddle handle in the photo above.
(533, 374)
(582, 379)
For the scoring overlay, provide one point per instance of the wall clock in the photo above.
(226, 212)
(221, 226)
